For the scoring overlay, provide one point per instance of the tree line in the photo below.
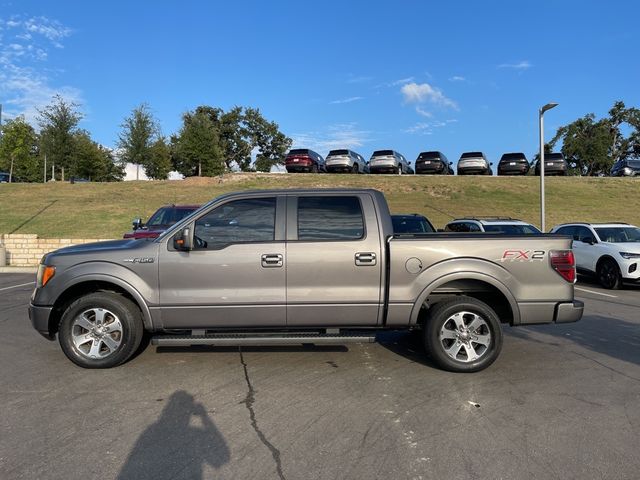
(209, 142)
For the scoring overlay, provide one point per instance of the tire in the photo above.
(450, 342)
(90, 320)
(399, 170)
(355, 169)
(608, 274)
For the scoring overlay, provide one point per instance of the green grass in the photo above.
(105, 210)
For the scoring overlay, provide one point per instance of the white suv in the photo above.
(501, 225)
(611, 251)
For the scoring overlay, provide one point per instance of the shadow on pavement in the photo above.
(406, 344)
(232, 349)
(178, 445)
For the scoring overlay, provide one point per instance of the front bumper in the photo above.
(39, 317)
(569, 312)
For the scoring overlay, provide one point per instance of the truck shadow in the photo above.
(234, 349)
(178, 445)
(406, 344)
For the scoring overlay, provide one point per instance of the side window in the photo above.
(330, 218)
(457, 227)
(581, 233)
(473, 227)
(239, 221)
(566, 231)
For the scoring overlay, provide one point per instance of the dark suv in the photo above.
(474, 163)
(554, 164)
(433, 163)
(411, 223)
(513, 164)
(626, 168)
(164, 218)
(304, 160)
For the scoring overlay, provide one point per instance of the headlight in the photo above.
(629, 255)
(45, 273)
(627, 171)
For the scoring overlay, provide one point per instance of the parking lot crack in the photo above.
(249, 401)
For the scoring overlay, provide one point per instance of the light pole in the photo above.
(548, 106)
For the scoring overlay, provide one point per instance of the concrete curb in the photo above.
(18, 269)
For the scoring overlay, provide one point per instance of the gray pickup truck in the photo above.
(281, 267)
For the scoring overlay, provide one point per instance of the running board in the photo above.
(261, 340)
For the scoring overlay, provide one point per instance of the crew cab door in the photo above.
(334, 261)
(235, 274)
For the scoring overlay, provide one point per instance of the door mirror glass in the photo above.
(137, 223)
(182, 240)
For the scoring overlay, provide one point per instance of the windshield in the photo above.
(411, 225)
(619, 234)
(512, 229)
(169, 216)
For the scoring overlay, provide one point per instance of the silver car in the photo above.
(346, 161)
(389, 161)
(474, 163)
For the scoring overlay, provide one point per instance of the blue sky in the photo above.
(413, 76)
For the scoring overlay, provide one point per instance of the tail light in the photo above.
(564, 262)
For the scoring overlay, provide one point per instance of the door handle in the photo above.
(365, 259)
(271, 260)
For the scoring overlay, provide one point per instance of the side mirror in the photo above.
(490, 164)
(450, 163)
(137, 223)
(182, 240)
(589, 240)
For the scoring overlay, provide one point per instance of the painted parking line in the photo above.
(596, 293)
(16, 286)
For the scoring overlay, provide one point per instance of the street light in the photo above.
(548, 106)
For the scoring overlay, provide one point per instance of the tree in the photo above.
(58, 123)
(93, 161)
(160, 162)
(139, 131)
(267, 138)
(196, 148)
(19, 151)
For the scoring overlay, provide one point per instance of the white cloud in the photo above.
(423, 112)
(346, 100)
(457, 78)
(351, 78)
(25, 84)
(523, 65)
(402, 81)
(425, 93)
(341, 135)
(427, 128)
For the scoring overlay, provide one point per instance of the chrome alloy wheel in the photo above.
(96, 333)
(465, 337)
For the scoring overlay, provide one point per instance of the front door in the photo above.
(235, 274)
(334, 261)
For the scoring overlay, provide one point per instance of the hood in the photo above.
(109, 251)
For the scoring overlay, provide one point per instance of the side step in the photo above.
(262, 339)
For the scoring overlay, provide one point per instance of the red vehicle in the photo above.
(304, 160)
(161, 220)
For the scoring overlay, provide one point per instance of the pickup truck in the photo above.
(277, 267)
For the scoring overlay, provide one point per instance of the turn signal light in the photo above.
(564, 262)
(45, 273)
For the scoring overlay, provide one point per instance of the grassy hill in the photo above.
(105, 210)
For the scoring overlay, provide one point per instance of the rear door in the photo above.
(333, 261)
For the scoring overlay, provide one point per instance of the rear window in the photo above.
(338, 152)
(381, 153)
(429, 156)
(330, 218)
(512, 156)
(512, 229)
(299, 151)
(553, 156)
(471, 155)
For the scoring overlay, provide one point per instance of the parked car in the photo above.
(411, 223)
(474, 163)
(389, 161)
(433, 163)
(162, 219)
(346, 161)
(501, 225)
(281, 267)
(610, 251)
(304, 160)
(4, 177)
(554, 164)
(626, 168)
(513, 164)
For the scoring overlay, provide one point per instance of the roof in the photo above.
(601, 225)
(492, 220)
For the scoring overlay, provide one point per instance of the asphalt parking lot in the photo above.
(562, 401)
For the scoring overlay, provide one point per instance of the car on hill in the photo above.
(554, 165)
(4, 177)
(474, 163)
(609, 251)
(301, 160)
(433, 163)
(346, 161)
(389, 161)
(626, 168)
(411, 223)
(162, 219)
(498, 225)
(515, 163)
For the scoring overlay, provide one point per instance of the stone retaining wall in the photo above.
(26, 250)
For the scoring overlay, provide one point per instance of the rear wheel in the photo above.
(314, 169)
(100, 330)
(399, 170)
(463, 335)
(354, 169)
(609, 274)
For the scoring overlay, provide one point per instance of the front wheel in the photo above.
(100, 330)
(609, 274)
(399, 171)
(463, 335)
